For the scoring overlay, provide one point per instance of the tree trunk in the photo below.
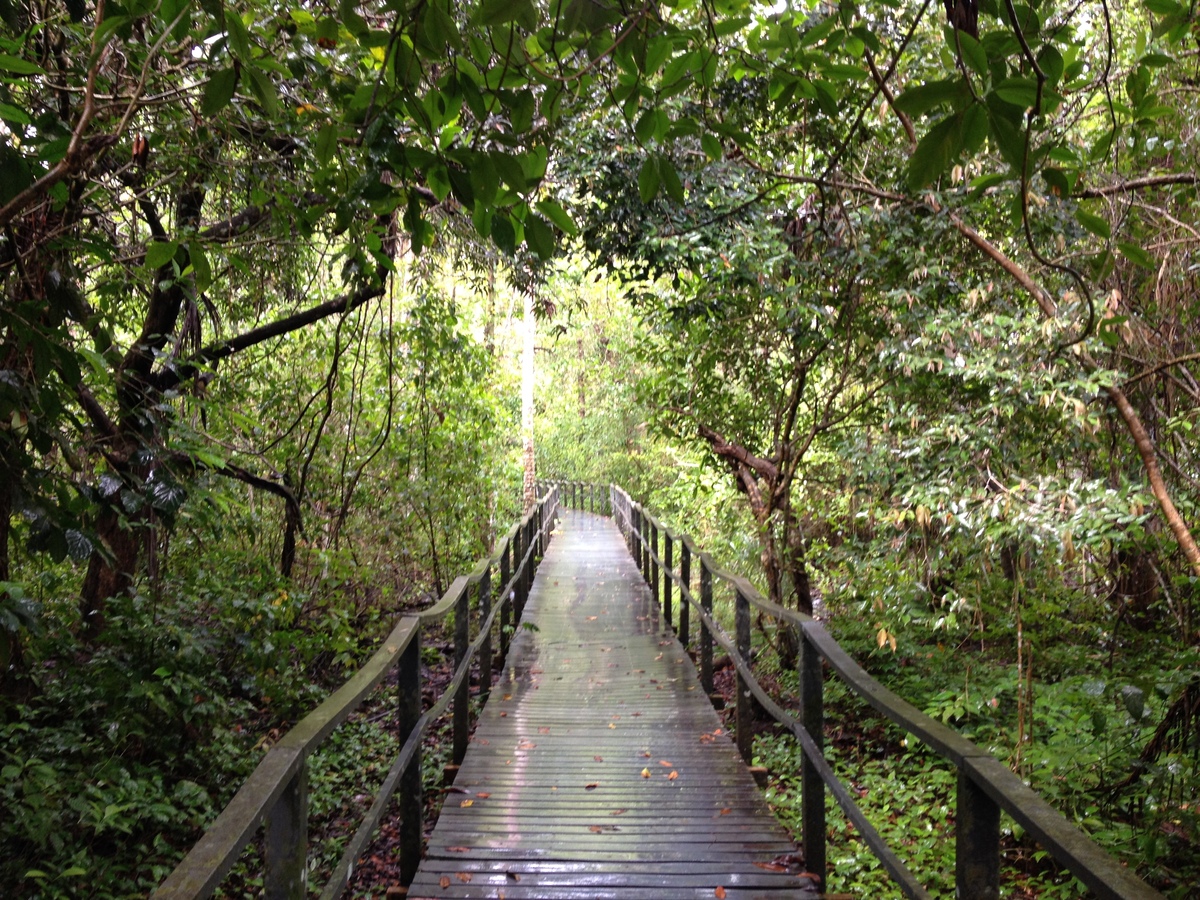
(527, 373)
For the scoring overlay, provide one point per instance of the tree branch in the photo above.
(1137, 184)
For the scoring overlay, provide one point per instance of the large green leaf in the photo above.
(940, 146)
(219, 90)
(924, 97)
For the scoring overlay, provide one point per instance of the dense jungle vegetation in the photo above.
(892, 305)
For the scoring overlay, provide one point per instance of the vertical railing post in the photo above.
(706, 638)
(685, 589)
(977, 842)
(646, 526)
(518, 573)
(485, 649)
(744, 709)
(668, 581)
(411, 803)
(635, 530)
(286, 841)
(505, 601)
(655, 549)
(812, 786)
(462, 697)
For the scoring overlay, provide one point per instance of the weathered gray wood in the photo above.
(411, 803)
(462, 697)
(977, 842)
(485, 651)
(812, 786)
(744, 702)
(551, 790)
(706, 641)
(286, 841)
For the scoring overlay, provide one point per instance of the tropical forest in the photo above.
(890, 306)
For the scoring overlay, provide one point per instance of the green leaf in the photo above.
(1093, 223)
(924, 97)
(219, 91)
(712, 146)
(264, 89)
(649, 180)
(670, 180)
(1057, 180)
(510, 170)
(553, 211)
(200, 267)
(1136, 255)
(1021, 92)
(159, 253)
(239, 37)
(974, 127)
(18, 66)
(14, 115)
(973, 53)
(935, 151)
(500, 12)
(540, 236)
(503, 234)
(325, 143)
(1164, 7)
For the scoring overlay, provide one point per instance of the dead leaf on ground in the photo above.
(483, 795)
(771, 867)
(458, 849)
(598, 758)
(645, 773)
(592, 786)
(526, 745)
(467, 803)
(726, 811)
(592, 618)
(673, 775)
(513, 876)
(611, 725)
(666, 762)
(543, 729)
(597, 829)
(619, 812)
(719, 892)
(464, 877)
(444, 881)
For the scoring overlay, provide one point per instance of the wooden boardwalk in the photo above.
(598, 768)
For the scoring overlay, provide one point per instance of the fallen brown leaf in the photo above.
(619, 812)
(645, 773)
(598, 758)
(444, 881)
(673, 775)
(719, 892)
(466, 803)
(464, 877)
(726, 811)
(513, 876)
(483, 795)
(665, 762)
(459, 849)
(526, 745)
(771, 867)
(592, 786)
(544, 729)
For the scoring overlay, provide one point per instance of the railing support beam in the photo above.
(411, 803)
(286, 841)
(812, 787)
(744, 701)
(977, 842)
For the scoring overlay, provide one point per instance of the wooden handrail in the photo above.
(276, 796)
(985, 785)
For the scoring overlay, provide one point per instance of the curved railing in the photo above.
(276, 794)
(985, 785)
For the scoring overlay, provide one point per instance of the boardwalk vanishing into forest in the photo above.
(598, 768)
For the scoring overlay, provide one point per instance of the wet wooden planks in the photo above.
(599, 768)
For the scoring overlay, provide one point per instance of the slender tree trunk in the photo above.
(527, 373)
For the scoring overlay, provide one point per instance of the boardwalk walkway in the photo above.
(598, 768)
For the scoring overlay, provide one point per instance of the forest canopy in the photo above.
(892, 303)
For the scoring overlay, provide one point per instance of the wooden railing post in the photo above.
(685, 588)
(410, 802)
(462, 697)
(706, 638)
(485, 649)
(286, 841)
(669, 564)
(977, 842)
(505, 601)
(518, 574)
(646, 548)
(744, 709)
(812, 787)
(655, 550)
